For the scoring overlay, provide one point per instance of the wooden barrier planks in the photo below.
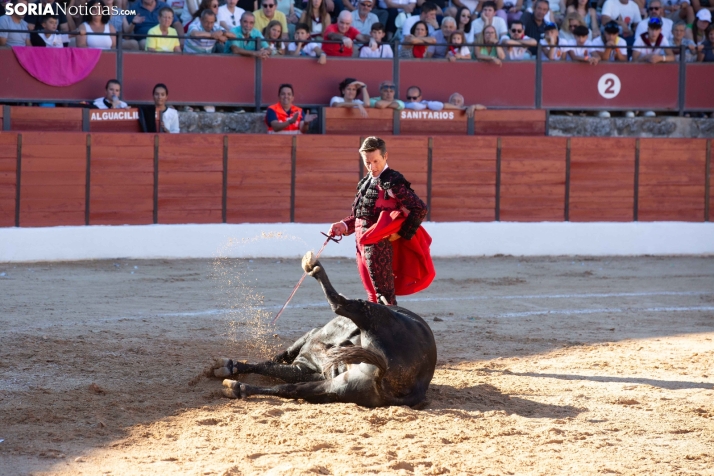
(259, 178)
(602, 177)
(53, 179)
(409, 156)
(122, 179)
(510, 122)
(190, 178)
(340, 120)
(672, 179)
(8, 177)
(464, 179)
(68, 119)
(710, 180)
(532, 179)
(328, 169)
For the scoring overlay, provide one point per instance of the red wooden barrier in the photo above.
(699, 94)
(446, 122)
(602, 178)
(193, 79)
(328, 169)
(409, 156)
(568, 85)
(510, 122)
(532, 178)
(259, 175)
(339, 120)
(711, 180)
(53, 179)
(114, 120)
(8, 177)
(122, 179)
(314, 83)
(510, 85)
(463, 179)
(18, 84)
(672, 179)
(190, 178)
(67, 119)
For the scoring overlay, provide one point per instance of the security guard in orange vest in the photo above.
(285, 118)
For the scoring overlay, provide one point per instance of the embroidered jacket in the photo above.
(392, 184)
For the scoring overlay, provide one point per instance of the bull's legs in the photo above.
(365, 315)
(288, 373)
(289, 355)
(353, 386)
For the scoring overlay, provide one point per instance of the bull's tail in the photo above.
(353, 354)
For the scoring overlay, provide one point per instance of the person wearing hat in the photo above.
(699, 28)
(655, 10)
(553, 49)
(652, 45)
(612, 47)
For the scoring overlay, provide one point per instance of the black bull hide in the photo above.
(370, 354)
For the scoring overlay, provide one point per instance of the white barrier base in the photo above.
(292, 240)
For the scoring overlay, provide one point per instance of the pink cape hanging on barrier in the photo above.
(57, 66)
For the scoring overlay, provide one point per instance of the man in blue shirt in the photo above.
(147, 17)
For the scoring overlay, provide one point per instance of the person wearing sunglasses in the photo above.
(655, 10)
(652, 45)
(269, 12)
(417, 103)
(516, 43)
(229, 15)
(386, 99)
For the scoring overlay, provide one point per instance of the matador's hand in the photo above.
(394, 237)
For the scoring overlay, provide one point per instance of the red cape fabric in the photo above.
(57, 66)
(412, 265)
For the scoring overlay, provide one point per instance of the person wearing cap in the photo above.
(700, 5)
(655, 10)
(699, 28)
(386, 98)
(652, 45)
(612, 47)
(363, 18)
(627, 15)
(553, 49)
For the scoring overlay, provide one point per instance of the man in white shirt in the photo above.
(554, 49)
(228, 16)
(416, 102)
(627, 15)
(363, 18)
(653, 43)
(613, 48)
(488, 17)
(394, 8)
(580, 50)
(111, 98)
(19, 37)
(655, 10)
(427, 15)
(517, 43)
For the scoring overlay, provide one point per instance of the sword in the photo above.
(329, 238)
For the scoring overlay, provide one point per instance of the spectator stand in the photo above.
(251, 82)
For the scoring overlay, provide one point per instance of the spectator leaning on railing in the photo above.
(111, 97)
(45, 35)
(349, 89)
(416, 102)
(458, 49)
(491, 53)
(679, 38)
(488, 17)
(207, 36)
(19, 37)
(580, 50)
(416, 43)
(706, 48)
(97, 21)
(441, 37)
(457, 101)
(344, 32)
(285, 118)
(168, 41)
(554, 49)
(613, 48)
(517, 43)
(655, 10)
(655, 43)
(386, 98)
(249, 41)
(273, 34)
(376, 49)
(301, 47)
(627, 15)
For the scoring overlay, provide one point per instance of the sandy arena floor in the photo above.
(546, 366)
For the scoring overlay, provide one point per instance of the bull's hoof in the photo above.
(308, 262)
(233, 389)
(223, 367)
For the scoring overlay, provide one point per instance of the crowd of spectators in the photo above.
(372, 28)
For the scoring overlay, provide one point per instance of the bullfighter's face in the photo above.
(374, 161)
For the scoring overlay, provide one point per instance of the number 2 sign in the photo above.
(609, 86)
